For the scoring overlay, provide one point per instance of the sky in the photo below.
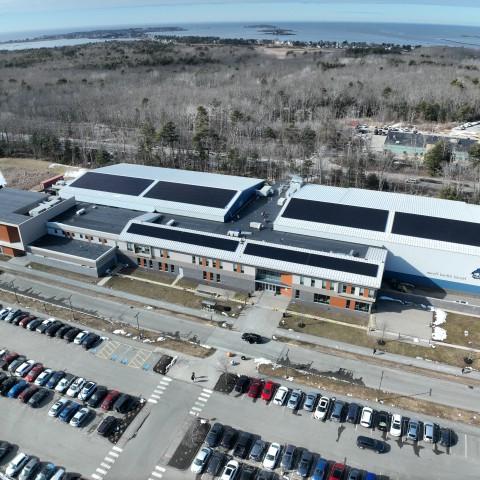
(27, 15)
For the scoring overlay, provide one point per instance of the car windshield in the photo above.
(337, 473)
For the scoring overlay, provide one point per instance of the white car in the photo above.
(64, 384)
(87, 390)
(366, 418)
(43, 377)
(57, 407)
(396, 425)
(271, 457)
(76, 387)
(80, 417)
(322, 408)
(281, 396)
(230, 471)
(24, 368)
(80, 337)
(17, 464)
(201, 460)
(46, 322)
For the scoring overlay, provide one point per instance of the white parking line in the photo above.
(207, 390)
(161, 387)
(105, 465)
(162, 382)
(156, 474)
(193, 413)
(113, 454)
(108, 459)
(96, 477)
(117, 449)
(206, 395)
(151, 400)
(196, 409)
(153, 395)
(200, 404)
(103, 472)
(160, 468)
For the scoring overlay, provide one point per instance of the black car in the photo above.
(7, 385)
(229, 437)
(242, 383)
(382, 421)
(96, 399)
(305, 463)
(38, 398)
(55, 378)
(288, 457)
(54, 328)
(252, 338)
(16, 363)
(353, 413)
(107, 426)
(265, 475)
(448, 438)
(214, 435)
(33, 324)
(71, 334)
(3, 377)
(19, 318)
(371, 444)
(248, 472)
(5, 449)
(243, 445)
(124, 403)
(90, 341)
(63, 330)
(216, 463)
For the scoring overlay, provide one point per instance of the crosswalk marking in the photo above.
(207, 390)
(96, 477)
(156, 474)
(160, 468)
(151, 400)
(99, 470)
(117, 449)
(113, 454)
(108, 459)
(105, 465)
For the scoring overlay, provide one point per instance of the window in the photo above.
(313, 282)
(361, 292)
(204, 275)
(318, 298)
(371, 293)
(344, 288)
(142, 249)
(301, 280)
(165, 267)
(210, 276)
(130, 247)
(159, 266)
(324, 284)
(347, 304)
(362, 307)
(150, 264)
(193, 259)
(172, 268)
(218, 278)
(220, 265)
(139, 261)
(297, 293)
(81, 235)
(207, 262)
(214, 263)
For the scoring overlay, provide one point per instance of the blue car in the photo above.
(370, 476)
(17, 389)
(54, 379)
(320, 470)
(69, 411)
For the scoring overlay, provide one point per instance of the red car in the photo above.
(25, 396)
(337, 472)
(255, 388)
(34, 372)
(10, 357)
(109, 400)
(27, 320)
(268, 391)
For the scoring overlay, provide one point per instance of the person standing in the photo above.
(193, 377)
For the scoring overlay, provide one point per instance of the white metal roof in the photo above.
(392, 202)
(375, 256)
(145, 204)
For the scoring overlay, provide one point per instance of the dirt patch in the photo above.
(160, 277)
(124, 423)
(190, 444)
(352, 389)
(54, 271)
(225, 383)
(456, 327)
(330, 313)
(187, 283)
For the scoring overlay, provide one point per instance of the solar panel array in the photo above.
(183, 237)
(112, 183)
(193, 194)
(434, 228)
(335, 214)
(314, 260)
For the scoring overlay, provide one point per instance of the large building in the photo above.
(312, 243)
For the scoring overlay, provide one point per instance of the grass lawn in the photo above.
(4, 258)
(56, 271)
(160, 277)
(340, 315)
(456, 326)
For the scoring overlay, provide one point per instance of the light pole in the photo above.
(71, 308)
(14, 288)
(138, 323)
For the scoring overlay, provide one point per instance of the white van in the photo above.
(17, 464)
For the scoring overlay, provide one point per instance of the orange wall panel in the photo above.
(9, 234)
(349, 289)
(286, 292)
(12, 252)
(286, 278)
(338, 302)
(366, 293)
(352, 305)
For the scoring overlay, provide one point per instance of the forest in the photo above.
(233, 108)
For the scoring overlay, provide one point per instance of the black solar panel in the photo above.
(112, 183)
(432, 228)
(184, 237)
(314, 260)
(335, 214)
(192, 194)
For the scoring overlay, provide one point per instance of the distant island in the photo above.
(271, 29)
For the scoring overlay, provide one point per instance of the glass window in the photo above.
(297, 293)
(210, 274)
(193, 258)
(172, 268)
(218, 278)
(361, 292)
(324, 284)
(347, 305)
(301, 280)
(204, 275)
(318, 298)
(362, 307)
(313, 282)
(344, 288)
(214, 263)
(150, 263)
(207, 262)
(130, 247)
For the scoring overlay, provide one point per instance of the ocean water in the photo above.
(398, 33)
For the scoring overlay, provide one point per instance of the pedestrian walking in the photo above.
(374, 351)
(193, 376)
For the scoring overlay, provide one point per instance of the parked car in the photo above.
(80, 417)
(265, 475)
(17, 389)
(34, 324)
(58, 406)
(11, 315)
(255, 388)
(98, 396)
(124, 403)
(338, 411)
(257, 451)
(107, 426)
(5, 449)
(337, 471)
(353, 413)
(30, 469)
(17, 464)
(413, 430)
(214, 435)
(320, 470)
(26, 320)
(382, 421)
(295, 399)
(430, 432)
(60, 474)
(90, 341)
(448, 438)
(38, 398)
(243, 445)
(370, 443)
(7, 385)
(35, 371)
(24, 368)
(241, 385)
(281, 396)
(72, 334)
(75, 388)
(216, 463)
(25, 396)
(252, 338)
(55, 378)
(9, 357)
(64, 384)
(355, 474)
(110, 399)
(46, 472)
(310, 401)
(4, 312)
(248, 472)
(288, 457)
(305, 463)
(87, 391)
(366, 418)
(322, 408)
(80, 337)
(61, 332)
(396, 425)
(13, 366)
(44, 325)
(44, 377)
(230, 471)
(200, 461)
(53, 328)
(267, 391)
(229, 437)
(69, 411)
(272, 455)
(16, 321)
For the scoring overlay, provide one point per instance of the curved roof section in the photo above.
(175, 192)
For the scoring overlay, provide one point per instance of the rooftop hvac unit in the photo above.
(281, 201)
(233, 233)
(82, 211)
(171, 222)
(94, 206)
(256, 225)
(245, 234)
